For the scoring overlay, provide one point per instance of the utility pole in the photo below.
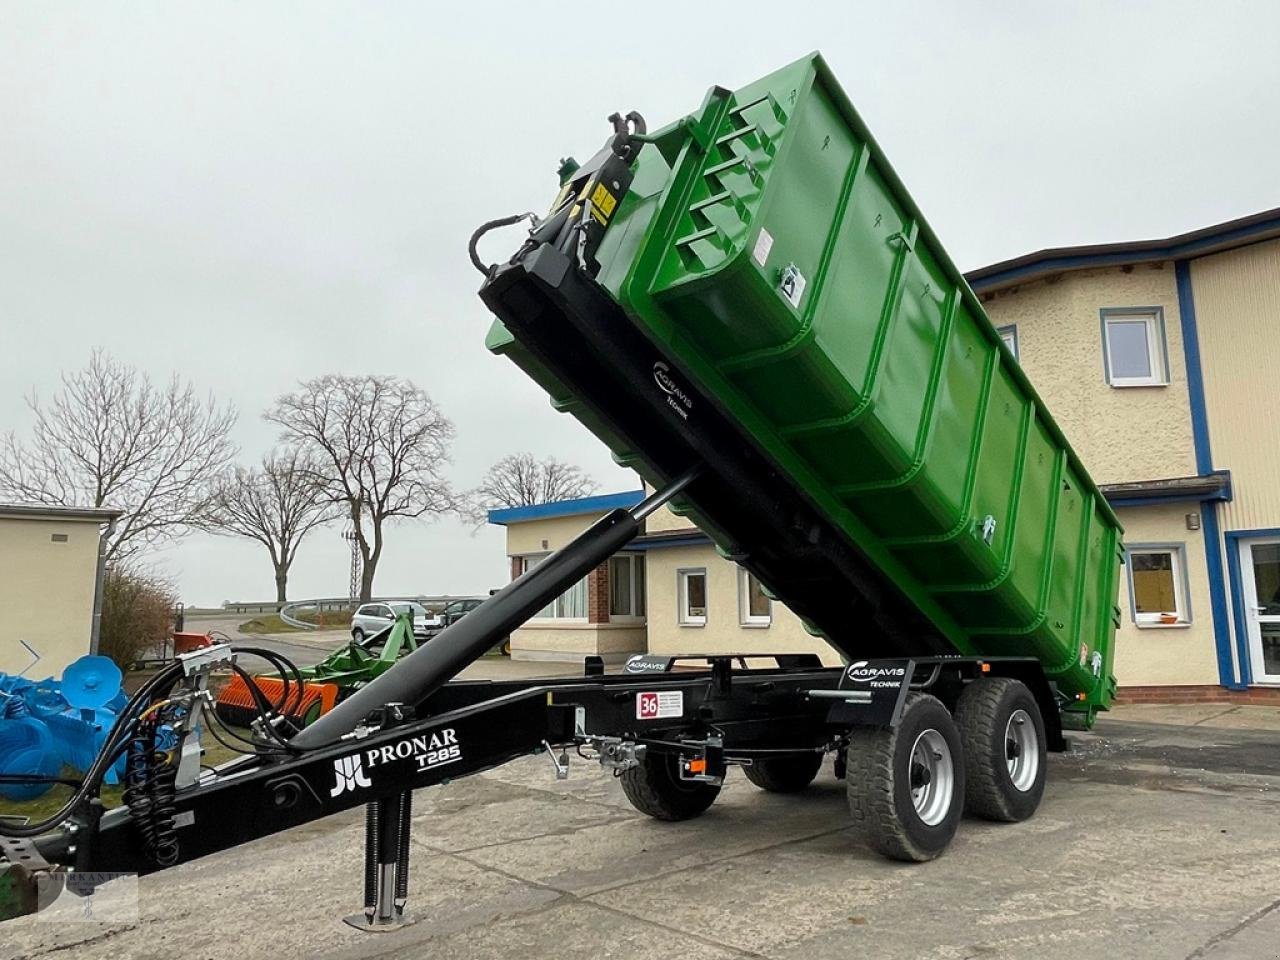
(354, 587)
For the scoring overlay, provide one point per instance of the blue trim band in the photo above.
(1199, 243)
(567, 508)
(1195, 376)
(677, 538)
(1218, 598)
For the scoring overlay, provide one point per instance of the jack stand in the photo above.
(386, 865)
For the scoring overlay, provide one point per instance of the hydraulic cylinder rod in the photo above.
(438, 661)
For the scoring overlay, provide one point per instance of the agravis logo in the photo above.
(350, 774)
(862, 672)
(677, 398)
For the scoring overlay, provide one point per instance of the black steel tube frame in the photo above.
(480, 725)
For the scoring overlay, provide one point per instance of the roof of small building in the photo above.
(1197, 243)
(57, 511)
(601, 503)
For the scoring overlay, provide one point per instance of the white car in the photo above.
(375, 617)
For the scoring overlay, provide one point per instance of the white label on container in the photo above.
(792, 284)
(764, 243)
(659, 704)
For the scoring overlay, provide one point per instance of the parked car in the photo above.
(374, 617)
(455, 610)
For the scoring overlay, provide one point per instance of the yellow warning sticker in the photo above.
(603, 199)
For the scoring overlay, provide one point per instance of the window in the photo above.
(754, 608)
(692, 597)
(1133, 347)
(1158, 585)
(570, 605)
(1009, 335)
(626, 586)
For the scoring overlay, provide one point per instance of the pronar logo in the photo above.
(677, 398)
(427, 751)
(861, 671)
(350, 775)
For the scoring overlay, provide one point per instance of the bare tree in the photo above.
(110, 437)
(520, 480)
(276, 504)
(379, 445)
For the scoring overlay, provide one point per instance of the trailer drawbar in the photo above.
(813, 383)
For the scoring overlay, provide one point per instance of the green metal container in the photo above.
(767, 244)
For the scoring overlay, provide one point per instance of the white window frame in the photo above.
(683, 616)
(1181, 590)
(1157, 351)
(1009, 334)
(745, 617)
(634, 561)
(530, 560)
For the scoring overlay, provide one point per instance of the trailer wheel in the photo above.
(654, 787)
(785, 772)
(905, 785)
(1004, 749)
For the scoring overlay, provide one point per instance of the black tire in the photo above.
(784, 772)
(357, 635)
(983, 716)
(654, 788)
(878, 783)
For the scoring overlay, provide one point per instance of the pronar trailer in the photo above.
(748, 309)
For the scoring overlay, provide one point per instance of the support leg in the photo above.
(386, 864)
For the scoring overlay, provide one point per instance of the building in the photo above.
(1155, 357)
(668, 592)
(50, 582)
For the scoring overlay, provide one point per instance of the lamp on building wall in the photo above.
(1193, 521)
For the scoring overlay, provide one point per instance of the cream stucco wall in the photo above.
(562, 641)
(722, 633)
(46, 593)
(1237, 300)
(543, 536)
(1167, 654)
(1120, 433)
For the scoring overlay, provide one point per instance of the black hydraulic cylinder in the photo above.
(438, 661)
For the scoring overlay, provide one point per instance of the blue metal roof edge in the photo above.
(566, 508)
(1220, 236)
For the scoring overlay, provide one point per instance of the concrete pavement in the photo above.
(1155, 839)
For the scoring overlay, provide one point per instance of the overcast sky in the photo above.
(257, 193)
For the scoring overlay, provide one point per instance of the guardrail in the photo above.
(288, 610)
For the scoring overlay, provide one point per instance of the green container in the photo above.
(767, 244)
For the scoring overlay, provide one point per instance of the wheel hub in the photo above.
(1021, 750)
(931, 777)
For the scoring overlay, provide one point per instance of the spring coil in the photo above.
(150, 796)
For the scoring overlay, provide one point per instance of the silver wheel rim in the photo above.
(933, 778)
(1021, 750)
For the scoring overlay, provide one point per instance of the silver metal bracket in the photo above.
(617, 755)
(561, 763)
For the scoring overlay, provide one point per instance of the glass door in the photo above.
(1260, 566)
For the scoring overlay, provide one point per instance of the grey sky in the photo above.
(258, 193)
